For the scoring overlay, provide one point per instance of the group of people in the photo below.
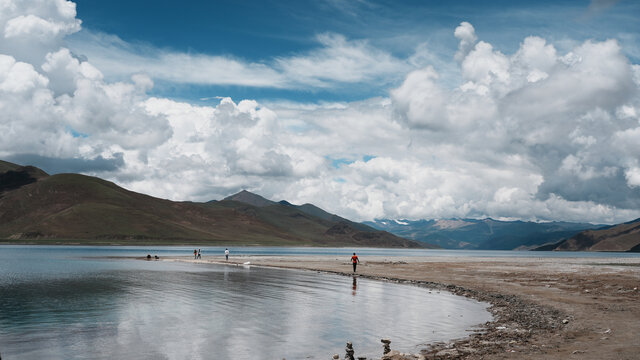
(197, 254)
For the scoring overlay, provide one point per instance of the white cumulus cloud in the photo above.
(534, 134)
(337, 60)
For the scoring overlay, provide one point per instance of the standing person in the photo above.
(226, 254)
(195, 253)
(355, 261)
(199, 254)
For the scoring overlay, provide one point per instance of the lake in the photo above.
(72, 302)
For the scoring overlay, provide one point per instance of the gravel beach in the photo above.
(544, 308)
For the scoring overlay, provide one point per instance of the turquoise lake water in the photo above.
(70, 302)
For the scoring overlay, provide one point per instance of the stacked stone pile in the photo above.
(386, 344)
(349, 351)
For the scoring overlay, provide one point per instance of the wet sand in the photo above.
(561, 308)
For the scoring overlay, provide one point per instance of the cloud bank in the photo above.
(536, 134)
(336, 61)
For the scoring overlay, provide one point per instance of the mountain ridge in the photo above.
(621, 237)
(482, 234)
(13, 176)
(71, 208)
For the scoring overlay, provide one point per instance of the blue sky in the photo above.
(368, 109)
(261, 31)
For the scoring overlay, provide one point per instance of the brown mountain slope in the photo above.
(622, 237)
(69, 207)
(319, 230)
(13, 176)
(247, 197)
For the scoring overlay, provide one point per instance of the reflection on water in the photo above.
(59, 305)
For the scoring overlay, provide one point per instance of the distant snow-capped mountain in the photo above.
(485, 234)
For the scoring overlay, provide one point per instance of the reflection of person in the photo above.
(355, 261)
(355, 286)
(226, 253)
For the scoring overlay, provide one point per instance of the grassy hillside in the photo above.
(294, 220)
(6, 166)
(13, 176)
(72, 206)
(75, 208)
(622, 237)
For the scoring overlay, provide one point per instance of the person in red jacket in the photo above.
(355, 261)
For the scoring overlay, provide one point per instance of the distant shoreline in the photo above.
(48, 242)
(221, 243)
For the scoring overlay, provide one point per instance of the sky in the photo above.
(369, 109)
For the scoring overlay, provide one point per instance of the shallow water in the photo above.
(58, 303)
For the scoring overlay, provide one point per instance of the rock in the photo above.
(467, 350)
(565, 321)
(386, 346)
(448, 352)
(390, 355)
(349, 351)
(336, 356)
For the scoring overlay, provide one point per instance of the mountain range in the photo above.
(36, 207)
(72, 208)
(484, 234)
(621, 237)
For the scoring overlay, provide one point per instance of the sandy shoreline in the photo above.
(545, 308)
